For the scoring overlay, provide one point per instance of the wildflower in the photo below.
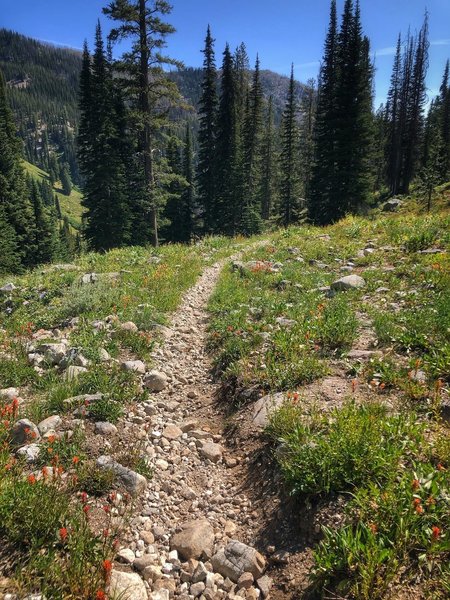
(75, 460)
(419, 509)
(415, 485)
(51, 439)
(106, 508)
(50, 450)
(63, 534)
(354, 384)
(84, 497)
(105, 533)
(31, 479)
(382, 386)
(435, 532)
(373, 528)
(100, 595)
(430, 501)
(107, 568)
(44, 472)
(417, 501)
(86, 509)
(440, 467)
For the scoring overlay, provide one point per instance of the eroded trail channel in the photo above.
(182, 542)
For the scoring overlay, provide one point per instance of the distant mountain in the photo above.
(43, 86)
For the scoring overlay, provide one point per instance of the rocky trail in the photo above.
(195, 533)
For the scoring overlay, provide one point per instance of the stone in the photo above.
(363, 354)
(50, 423)
(211, 451)
(127, 586)
(74, 372)
(265, 584)
(125, 555)
(53, 353)
(172, 432)
(349, 282)
(245, 581)
(147, 536)
(196, 589)
(392, 205)
(238, 558)
(9, 393)
(283, 322)
(83, 399)
(104, 355)
(196, 539)
(7, 288)
(105, 428)
(200, 573)
(30, 452)
(88, 278)
(137, 366)
(155, 381)
(133, 482)
(188, 425)
(264, 407)
(141, 563)
(418, 376)
(160, 595)
(129, 326)
(24, 431)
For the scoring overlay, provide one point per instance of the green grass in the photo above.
(70, 205)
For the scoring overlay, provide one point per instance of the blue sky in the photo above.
(282, 32)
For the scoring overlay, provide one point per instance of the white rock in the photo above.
(127, 586)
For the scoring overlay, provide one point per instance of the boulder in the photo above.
(211, 451)
(155, 381)
(392, 205)
(129, 326)
(137, 366)
(51, 423)
(53, 353)
(7, 288)
(74, 372)
(24, 431)
(30, 452)
(195, 540)
(133, 482)
(105, 428)
(127, 586)
(238, 558)
(89, 278)
(264, 406)
(349, 282)
(9, 393)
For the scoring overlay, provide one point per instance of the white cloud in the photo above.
(389, 51)
(306, 65)
(444, 42)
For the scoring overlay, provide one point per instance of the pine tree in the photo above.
(15, 207)
(324, 165)
(188, 195)
(268, 170)
(308, 110)
(393, 106)
(206, 175)
(252, 138)
(445, 121)
(44, 241)
(289, 159)
(146, 85)
(226, 217)
(66, 184)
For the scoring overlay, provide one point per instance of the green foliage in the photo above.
(339, 452)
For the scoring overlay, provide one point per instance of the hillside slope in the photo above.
(321, 444)
(70, 205)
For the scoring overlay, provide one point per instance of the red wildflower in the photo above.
(51, 439)
(415, 484)
(435, 532)
(373, 528)
(419, 509)
(440, 467)
(107, 568)
(100, 595)
(44, 472)
(63, 534)
(31, 479)
(417, 501)
(75, 460)
(84, 497)
(86, 509)
(105, 533)
(106, 508)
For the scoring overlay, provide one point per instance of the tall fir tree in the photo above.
(15, 207)
(268, 182)
(206, 172)
(226, 217)
(289, 159)
(149, 90)
(188, 194)
(323, 174)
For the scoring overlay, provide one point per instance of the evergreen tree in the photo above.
(147, 86)
(289, 165)
(268, 169)
(227, 150)
(15, 206)
(206, 184)
(324, 164)
(188, 195)
(445, 121)
(308, 110)
(44, 242)
(66, 184)
(393, 107)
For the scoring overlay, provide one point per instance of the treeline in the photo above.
(42, 89)
(32, 231)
